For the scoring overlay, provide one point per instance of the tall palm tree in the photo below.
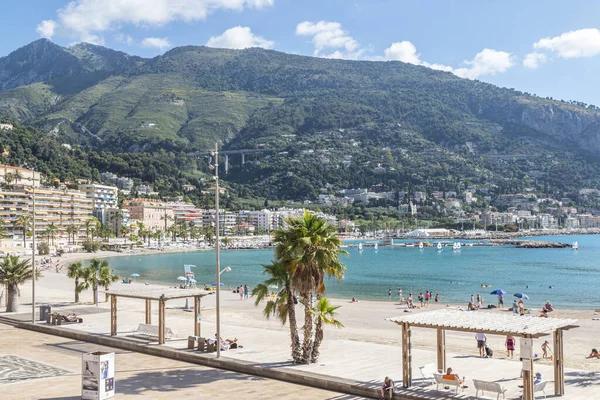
(324, 314)
(310, 248)
(92, 225)
(17, 176)
(24, 221)
(166, 218)
(106, 278)
(75, 271)
(50, 231)
(71, 231)
(92, 274)
(14, 272)
(282, 306)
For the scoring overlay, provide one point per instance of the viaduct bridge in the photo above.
(227, 153)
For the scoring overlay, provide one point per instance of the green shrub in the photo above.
(91, 246)
(43, 248)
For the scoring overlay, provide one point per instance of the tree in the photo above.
(282, 306)
(324, 314)
(3, 233)
(24, 221)
(72, 229)
(309, 247)
(94, 275)
(106, 278)
(92, 225)
(14, 272)
(75, 271)
(50, 231)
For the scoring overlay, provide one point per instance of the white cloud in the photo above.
(46, 28)
(125, 39)
(486, 62)
(573, 44)
(329, 36)
(91, 18)
(533, 60)
(157, 43)
(239, 37)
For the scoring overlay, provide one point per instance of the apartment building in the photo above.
(152, 213)
(18, 176)
(187, 212)
(104, 198)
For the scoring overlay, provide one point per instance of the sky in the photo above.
(544, 47)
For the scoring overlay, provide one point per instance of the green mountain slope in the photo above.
(326, 123)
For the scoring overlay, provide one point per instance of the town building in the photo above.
(104, 198)
(17, 176)
(153, 214)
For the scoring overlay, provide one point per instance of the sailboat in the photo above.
(376, 247)
(420, 245)
(456, 246)
(360, 247)
(439, 246)
(575, 246)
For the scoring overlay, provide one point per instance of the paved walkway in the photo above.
(38, 366)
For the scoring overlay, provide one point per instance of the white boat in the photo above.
(420, 245)
(456, 246)
(360, 247)
(376, 247)
(439, 246)
(575, 246)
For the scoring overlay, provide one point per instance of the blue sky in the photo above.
(546, 47)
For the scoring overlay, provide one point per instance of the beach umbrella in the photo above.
(192, 281)
(135, 274)
(522, 296)
(499, 291)
(181, 278)
(274, 286)
(215, 284)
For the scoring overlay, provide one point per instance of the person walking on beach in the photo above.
(481, 339)
(510, 345)
(421, 299)
(390, 293)
(241, 292)
(410, 301)
(427, 295)
(437, 298)
(472, 299)
(500, 300)
(246, 292)
(400, 299)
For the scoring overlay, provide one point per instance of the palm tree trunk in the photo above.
(318, 339)
(12, 304)
(76, 291)
(307, 343)
(106, 294)
(296, 356)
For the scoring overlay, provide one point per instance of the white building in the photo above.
(104, 197)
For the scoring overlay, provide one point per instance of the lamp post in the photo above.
(33, 250)
(218, 267)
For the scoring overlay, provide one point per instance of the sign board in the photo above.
(97, 375)
(526, 348)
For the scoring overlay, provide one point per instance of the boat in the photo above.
(456, 246)
(360, 247)
(376, 247)
(420, 245)
(575, 246)
(439, 246)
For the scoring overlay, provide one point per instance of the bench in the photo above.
(493, 387)
(205, 347)
(152, 331)
(439, 380)
(427, 372)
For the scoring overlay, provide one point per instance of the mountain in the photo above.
(327, 123)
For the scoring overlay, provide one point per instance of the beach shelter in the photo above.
(525, 327)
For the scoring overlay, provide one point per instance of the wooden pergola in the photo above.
(161, 295)
(493, 323)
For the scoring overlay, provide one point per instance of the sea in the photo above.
(566, 277)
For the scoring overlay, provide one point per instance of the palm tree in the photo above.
(71, 231)
(324, 314)
(9, 177)
(17, 175)
(282, 306)
(14, 272)
(3, 233)
(91, 276)
(309, 247)
(106, 278)
(166, 218)
(50, 232)
(24, 221)
(91, 226)
(75, 271)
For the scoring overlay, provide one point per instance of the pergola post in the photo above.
(559, 370)
(528, 376)
(148, 311)
(196, 315)
(113, 315)
(441, 350)
(406, 356)
(161, 320)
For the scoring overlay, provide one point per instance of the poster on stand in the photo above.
(97, 375)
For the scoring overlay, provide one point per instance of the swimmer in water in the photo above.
(550, 287)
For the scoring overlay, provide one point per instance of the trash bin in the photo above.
(44, 312)
(97, 375)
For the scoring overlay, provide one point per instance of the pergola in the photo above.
(161, 295)
(492, 323)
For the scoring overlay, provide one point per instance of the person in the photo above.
(472, 299)
(449, 376)
(471, 307)
(390, 293)
(410, 301)
(594, 354)
(246, 292)
(521, 307)
(400, 295)
(481, 301)
(421, 299)
(548, 306)
(241, 292)
(354, 300)
(538, 378)
(515, 306)
(545, 347)
(544, 313)
(437, 298)
(387, 388)
(478, 299)
(510, 345)
(500, 300)
(427, 295)
(481, 339)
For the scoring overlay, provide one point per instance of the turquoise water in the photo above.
(574, 275)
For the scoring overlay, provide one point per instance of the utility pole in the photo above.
(217, 250)
(33, 251)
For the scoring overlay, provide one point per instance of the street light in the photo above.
(33, 250)
(226, 269)
(215, 154)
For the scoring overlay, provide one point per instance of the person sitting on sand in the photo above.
(449, 376)
(387, 388)
(471, 307)
(594, 354)
(548, 307)
(353, 300)
(544, 313)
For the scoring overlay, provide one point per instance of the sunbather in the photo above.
(71, 317)
(594, 354)
(449, 376)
